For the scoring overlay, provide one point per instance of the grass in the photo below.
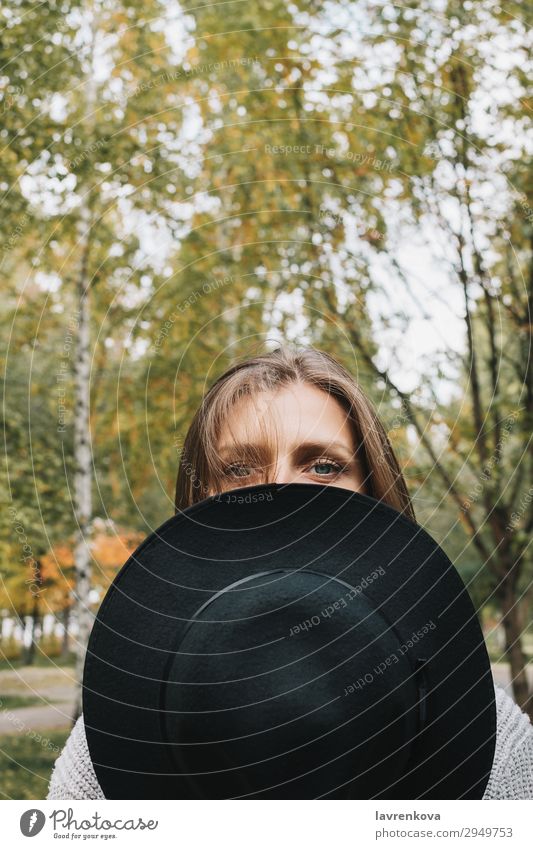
(15, 701)
(26, 762)
(39, 660)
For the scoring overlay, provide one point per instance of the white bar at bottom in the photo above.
(269, 824)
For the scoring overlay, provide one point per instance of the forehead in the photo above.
(295, 412)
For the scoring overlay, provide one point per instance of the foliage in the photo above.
(26, 762)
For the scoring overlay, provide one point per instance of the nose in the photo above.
(283, 472)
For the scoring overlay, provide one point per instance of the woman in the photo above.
(298, 416)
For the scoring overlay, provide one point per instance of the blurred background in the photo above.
(181, 187)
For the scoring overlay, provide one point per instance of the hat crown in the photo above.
(278, 684)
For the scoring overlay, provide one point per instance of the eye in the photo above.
(235, 470)
(325, 463)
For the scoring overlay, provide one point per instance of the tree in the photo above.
(458, 183)
(35, 500)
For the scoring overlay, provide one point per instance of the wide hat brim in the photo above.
(306, 532)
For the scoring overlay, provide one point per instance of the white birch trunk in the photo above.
(83, 461)
(82, 427)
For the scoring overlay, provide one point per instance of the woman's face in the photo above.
(315, 442)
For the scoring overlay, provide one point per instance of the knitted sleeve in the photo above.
(511, 776)
(73, 775)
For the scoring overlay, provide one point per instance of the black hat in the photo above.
(290, 641)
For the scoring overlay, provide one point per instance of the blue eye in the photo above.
(328, 463)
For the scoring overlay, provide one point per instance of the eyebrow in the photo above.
(301, 452)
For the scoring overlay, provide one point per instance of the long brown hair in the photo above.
(200, 471)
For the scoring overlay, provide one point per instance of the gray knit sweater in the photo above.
(73, 776)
